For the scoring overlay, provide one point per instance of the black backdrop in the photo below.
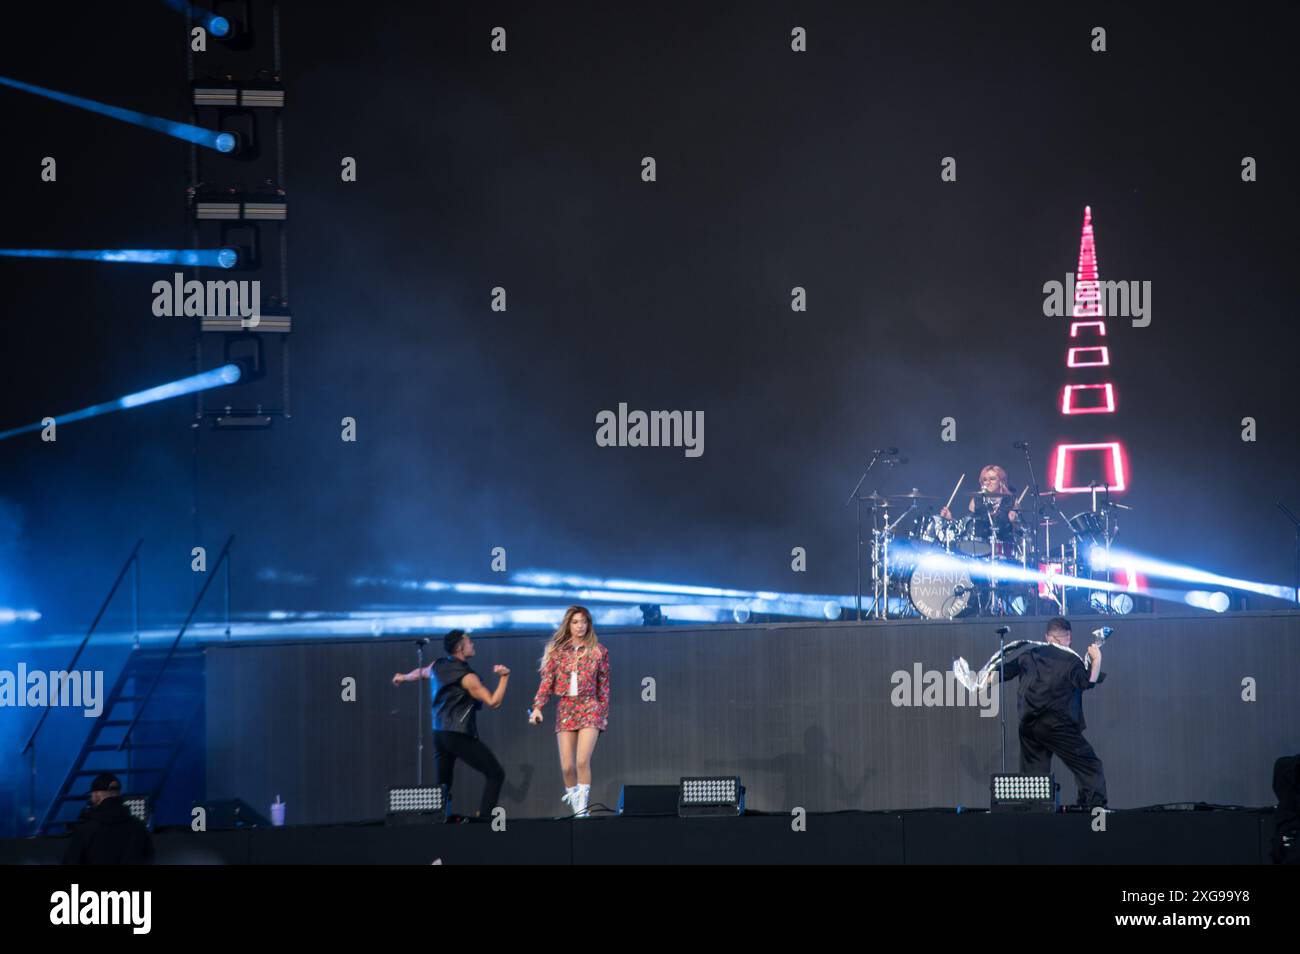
(776, 169)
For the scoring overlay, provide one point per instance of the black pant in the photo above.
(450, 746)
(1045, 734)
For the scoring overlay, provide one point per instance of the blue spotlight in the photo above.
(1217, 601)
(225, 142)
(216, 25)
(204, 257)
(219, 377)
(195, 134)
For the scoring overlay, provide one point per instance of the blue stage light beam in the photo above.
(216, 25)
(216, 378)
(555, 578)
(1163, 569)
(980, 570)
(10, 615)
(570, 588)
(208, 138)
(201, 257)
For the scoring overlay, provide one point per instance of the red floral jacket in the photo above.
(593, 675)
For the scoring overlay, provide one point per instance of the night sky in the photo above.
(776, 169)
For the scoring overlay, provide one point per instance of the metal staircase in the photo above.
(150, 712)
(140, 733)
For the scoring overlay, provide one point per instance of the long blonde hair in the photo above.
(562, 636)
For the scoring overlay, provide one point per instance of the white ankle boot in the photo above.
(581, 800)
(570, 797)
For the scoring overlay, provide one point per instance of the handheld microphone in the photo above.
(1003, 630)
(1021, 445)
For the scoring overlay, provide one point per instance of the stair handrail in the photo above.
(135, 604)
(194, 608)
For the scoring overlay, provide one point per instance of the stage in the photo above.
(880, 838)
(826, 717)
(829, 718)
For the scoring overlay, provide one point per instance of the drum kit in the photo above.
(992, 565)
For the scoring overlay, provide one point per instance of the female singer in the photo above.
(575, 669)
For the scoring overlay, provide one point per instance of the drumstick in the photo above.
(954, 491)
(1016, 505)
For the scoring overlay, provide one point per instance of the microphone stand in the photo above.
(853, 495)
(994, 609)
(1038, 522)
(1002, 696)
(1296, 520)
(419, 752)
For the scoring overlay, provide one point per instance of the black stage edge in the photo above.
(1220, 837)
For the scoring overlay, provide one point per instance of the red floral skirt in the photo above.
(580, 712)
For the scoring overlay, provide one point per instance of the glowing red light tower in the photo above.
(1079, 466)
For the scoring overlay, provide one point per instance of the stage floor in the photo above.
(1237, 837)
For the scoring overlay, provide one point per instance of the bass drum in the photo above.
(940, 594)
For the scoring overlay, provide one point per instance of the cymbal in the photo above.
(914, 494)
(875, 498)
(983, 493)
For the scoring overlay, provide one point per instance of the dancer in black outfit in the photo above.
(1052, 680)
(456, 701)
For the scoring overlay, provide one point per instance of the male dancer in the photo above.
(456, 701)
(1050, 702)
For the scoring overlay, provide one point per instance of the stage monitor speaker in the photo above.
(226, 813)
(647, 800)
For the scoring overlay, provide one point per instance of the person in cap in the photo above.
(107, 833)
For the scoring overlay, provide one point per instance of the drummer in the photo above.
(993, 481)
